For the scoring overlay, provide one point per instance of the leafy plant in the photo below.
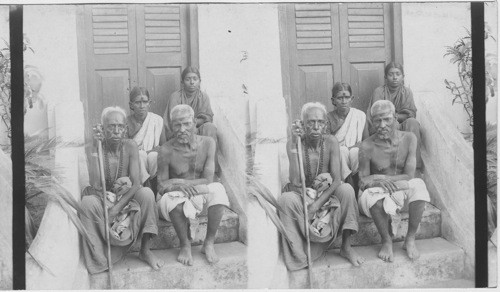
(461, 55)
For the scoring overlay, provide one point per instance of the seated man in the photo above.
(321, 153)
(131, 200)
(387, 162)
(185, 183)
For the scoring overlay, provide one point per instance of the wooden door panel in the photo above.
(316, 82)
(112, 86)
(365, 47)
(162, 82)
(365, 77)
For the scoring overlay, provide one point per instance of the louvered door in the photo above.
(111, 57)
(365, 47)
(313, 36)
(162, 49)
(326, 43)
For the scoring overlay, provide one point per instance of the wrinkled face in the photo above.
(183, 126)
(394, 77)
(342, 100)
(191, 82)
(314, 123)
(114, 127)
(384, 122)
(140, 105)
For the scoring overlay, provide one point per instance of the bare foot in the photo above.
(185, 256)
(385, 252)
(411, 248)
(349, 253)
(208, 250)
(151, 259)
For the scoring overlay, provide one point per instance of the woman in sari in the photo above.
(402, 98)
(348, 125)
(146, 129)
(191, 95)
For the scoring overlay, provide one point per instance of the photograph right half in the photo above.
(369, 158)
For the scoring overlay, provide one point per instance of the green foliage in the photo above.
(461, 55)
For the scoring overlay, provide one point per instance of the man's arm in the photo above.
(163, 172)
(209, 168)
(293, 159)
(334, 149)
(133, 170)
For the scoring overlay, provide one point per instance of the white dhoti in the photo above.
(349, 162)
(192, 207)
(148, 164)
(393, 204)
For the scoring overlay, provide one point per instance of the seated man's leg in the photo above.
(345, 170)
(217, 201)
(180, 223)
(372, 205)
(348, 221)
(417, 197)
(149, 225)
(412, 125)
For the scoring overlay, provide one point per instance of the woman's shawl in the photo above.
(402, 99)
(351, 130)
(148, 136)
(200, 103)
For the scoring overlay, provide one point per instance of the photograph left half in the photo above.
(5, 159)
(135, 177)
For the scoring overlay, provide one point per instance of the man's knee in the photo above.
(411, 125)
(288, 200)
(345, 192)
(208, 129)
(152, 157)
(145, 196)
(90, 204)
(378, 206)
(344, 151)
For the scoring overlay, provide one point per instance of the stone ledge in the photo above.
(133, 273)
(167, 238)
(439, 261)
(430, 227)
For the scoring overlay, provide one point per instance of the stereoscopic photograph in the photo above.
(233, 146)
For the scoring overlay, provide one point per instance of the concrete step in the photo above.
(167, 238)
(456, 283)
(430, 227)
(132, 273)
(439, 261)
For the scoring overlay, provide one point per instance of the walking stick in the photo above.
(306, 215)
(106, 217)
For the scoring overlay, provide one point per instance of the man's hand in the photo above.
(98, 132)
(385, 183)
(297, 130)
(189, 190)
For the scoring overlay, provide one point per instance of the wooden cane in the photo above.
(106, 217)
(306, 215)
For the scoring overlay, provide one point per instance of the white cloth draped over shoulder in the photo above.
(351, 132)
(148, 137)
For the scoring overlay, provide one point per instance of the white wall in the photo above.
(491, 55)
(4, 34)
(225, 32)
(52, 32)
(427, 29)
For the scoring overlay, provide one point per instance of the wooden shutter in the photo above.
(162, 49)
(314, 49)
(365, 47)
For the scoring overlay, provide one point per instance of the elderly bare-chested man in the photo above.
(185, 182)
(321, 156)
(132, 210)
(387, 162)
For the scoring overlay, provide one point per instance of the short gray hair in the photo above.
(311, 105)
(181, 109)
(112, 109)
(382, 105)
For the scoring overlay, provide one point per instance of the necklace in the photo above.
(309, 177)
(119, 167)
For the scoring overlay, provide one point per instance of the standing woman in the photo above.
(191, 95)
(146, 129)
(349, 126)
(402, 98)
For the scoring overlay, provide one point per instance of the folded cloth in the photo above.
(120, 232)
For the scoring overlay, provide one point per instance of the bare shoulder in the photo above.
(408, 137)
(367, 144)
(205, 141)
(165, 149)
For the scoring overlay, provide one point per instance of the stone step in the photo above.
(132, 273)
(430, 227)
(167, 238)
(455, 283)
(439, 261)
